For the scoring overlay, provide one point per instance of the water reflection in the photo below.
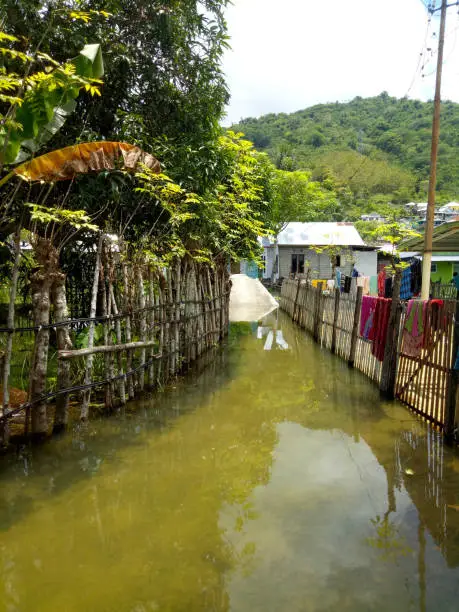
(271, 480)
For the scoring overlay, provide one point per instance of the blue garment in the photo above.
(455, 281)
(355, 273)
(338, 278)
(405, 286)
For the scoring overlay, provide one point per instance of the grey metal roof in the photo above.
(320, 234)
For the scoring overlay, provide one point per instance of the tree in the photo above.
(163, 86)
(295, 197)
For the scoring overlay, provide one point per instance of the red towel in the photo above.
(381, 321)
(381, 283)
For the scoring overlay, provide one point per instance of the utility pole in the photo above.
(429, 227)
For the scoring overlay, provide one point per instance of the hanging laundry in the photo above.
(331, 284)
(388, 287)
(316, 282)
(416, 276)
(380, 323)
(367, 317)
(364, 282)
(338, 278)
(355, 272)
(413, 331)
(347, 284)
(405, 286)
(434, 321)
(381, 282)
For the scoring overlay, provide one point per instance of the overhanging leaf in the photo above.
(89, 62)
(65, 164)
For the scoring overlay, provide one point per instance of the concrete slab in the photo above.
(249, 299)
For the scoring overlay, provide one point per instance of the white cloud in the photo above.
(291, 54)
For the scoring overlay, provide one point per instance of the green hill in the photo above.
(379, 147)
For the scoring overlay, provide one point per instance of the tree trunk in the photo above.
(64, 343)
(41, 284)
(88, 373)
(41, 281)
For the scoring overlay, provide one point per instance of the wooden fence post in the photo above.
(355, 326)
(335, 319)
(389, 366)
(453, 383)
(317, 302)
(296, 300)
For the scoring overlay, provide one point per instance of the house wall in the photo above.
(366, 262)
(269, 253)
(444, 272)
(319, 263)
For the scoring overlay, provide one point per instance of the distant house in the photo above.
(308, 249)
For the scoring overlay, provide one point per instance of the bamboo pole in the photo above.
(335, 319)
(355, 326)
(119, 341)
(10, 322)
(127, 306)
(142, 325)
(64, 343)
(178, 281)
(151, 324)
(88, 372)
(106, 325)
(453, 382)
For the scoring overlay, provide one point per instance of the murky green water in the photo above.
(273, 480)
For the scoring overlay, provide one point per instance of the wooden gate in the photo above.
(423, 376)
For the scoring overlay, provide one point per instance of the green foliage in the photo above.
(376, 146)
(295, 197)
(78, 219)
(38, 99)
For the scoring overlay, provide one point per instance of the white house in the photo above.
(308, 248)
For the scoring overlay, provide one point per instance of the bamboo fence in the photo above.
(426, 383)
(144, 325)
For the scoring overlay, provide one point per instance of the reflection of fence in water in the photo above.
(423, 464)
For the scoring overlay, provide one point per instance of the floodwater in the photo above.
(270, 480)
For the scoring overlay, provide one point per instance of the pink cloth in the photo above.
(380, 324)
(414, 328)
(367, 317)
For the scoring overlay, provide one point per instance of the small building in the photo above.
(315, 250)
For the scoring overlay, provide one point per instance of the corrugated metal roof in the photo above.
(320, 234)
(445, 238)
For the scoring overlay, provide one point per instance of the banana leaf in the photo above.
(65, 164)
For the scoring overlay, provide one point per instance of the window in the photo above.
(263, 263)
(433, 268)
(297, 266)
(456, 267)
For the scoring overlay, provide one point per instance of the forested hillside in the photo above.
(379, 147)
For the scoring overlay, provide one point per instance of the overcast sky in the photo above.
(290, 54)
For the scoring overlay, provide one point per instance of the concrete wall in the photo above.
(319, 263)
(366, 262)
(269, 253)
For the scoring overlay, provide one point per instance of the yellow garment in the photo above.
(315, 282)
